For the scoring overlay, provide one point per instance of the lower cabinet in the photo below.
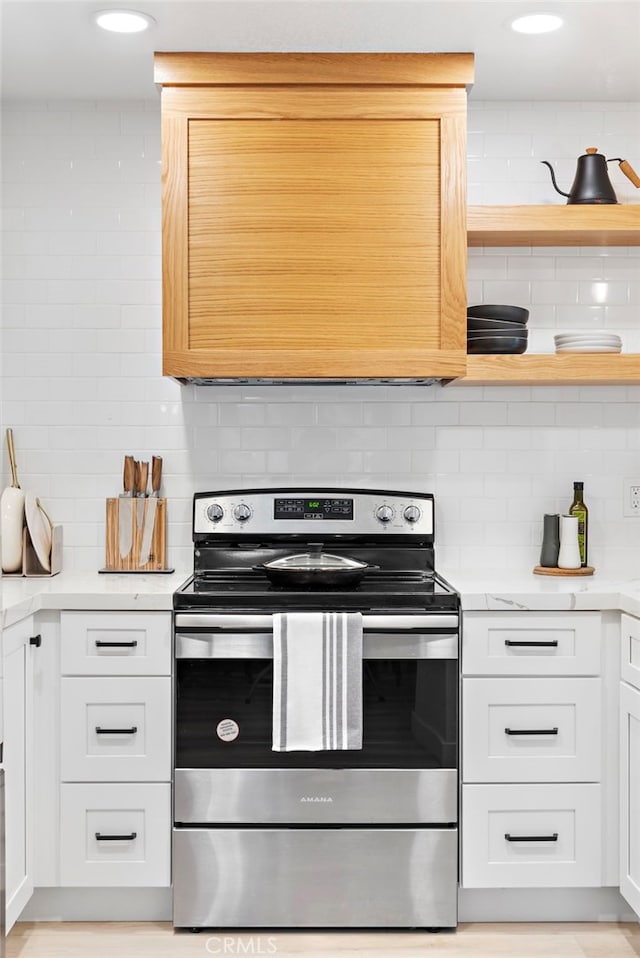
(115, 752)
(532, 809)
(630, 763)
(17, 655)
(516, 836)
(115, 834)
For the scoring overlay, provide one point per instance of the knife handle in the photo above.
(143, 477)
(156, 473)
(129, 476)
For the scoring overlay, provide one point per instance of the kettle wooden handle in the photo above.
(630, 173)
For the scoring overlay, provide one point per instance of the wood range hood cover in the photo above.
(314, 216)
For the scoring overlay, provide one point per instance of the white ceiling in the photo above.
(52, 49)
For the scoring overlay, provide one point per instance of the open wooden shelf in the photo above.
(551, 369)
(614, 225)
(554, 225)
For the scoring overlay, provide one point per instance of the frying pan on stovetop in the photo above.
(319, 570)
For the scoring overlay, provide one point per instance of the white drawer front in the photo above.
(116, 643)
(526, 643)
(116, 730)
(115, 835)
(525, 836)
(531, 730)
(630, 646)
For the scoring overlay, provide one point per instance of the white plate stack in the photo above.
(594, 341)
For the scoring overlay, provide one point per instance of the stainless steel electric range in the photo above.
(363, 837)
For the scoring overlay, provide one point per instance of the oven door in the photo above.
(406, 771)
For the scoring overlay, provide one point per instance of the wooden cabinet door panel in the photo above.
(332, 228)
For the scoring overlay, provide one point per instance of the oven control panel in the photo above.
(295, 511)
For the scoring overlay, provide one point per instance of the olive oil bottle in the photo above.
(579, 509)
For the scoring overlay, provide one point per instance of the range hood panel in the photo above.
(314, 217)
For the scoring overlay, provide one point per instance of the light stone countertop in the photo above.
(520, 591)
(485, 591)
(20, 597)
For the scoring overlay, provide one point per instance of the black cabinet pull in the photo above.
(116, 645)
(517, 643)
(116, 838)
(116, 731)
(531, 838)
(36, 640)
(531, 731)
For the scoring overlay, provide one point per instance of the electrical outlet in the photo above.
(631, 498)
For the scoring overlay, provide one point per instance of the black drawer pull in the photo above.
(116, 645)
(531, 838)
(116, 731)
(36, 640)
(531, 731)
(517, 643)
(116, 838)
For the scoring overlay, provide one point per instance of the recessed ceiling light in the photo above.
(537, 23)
(123, 21)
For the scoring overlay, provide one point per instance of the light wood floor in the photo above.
(158, 940)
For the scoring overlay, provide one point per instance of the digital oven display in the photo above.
(313, 509)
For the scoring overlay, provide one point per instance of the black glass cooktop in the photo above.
(246, 590)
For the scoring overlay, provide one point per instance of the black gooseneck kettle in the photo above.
(591, 183)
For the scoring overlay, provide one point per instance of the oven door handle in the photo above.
(201, 644)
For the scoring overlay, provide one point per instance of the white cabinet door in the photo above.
(630, 650)
(115, 835)
(630, 795)
(116, 729)
(116, 643)
(18, 765)
(531, 730)
(531, 643)
(528, 836)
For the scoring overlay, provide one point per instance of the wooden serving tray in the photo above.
(549, 570)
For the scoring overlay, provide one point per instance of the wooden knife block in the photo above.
(131, 562)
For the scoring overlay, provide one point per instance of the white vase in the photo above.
(569, 555)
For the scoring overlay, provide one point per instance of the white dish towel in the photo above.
(317, 681)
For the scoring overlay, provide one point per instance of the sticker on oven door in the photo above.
(228, 730)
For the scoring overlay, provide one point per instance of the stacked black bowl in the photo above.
(497, 329)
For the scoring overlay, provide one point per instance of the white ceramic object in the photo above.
(11, 516)
(588, 349)
(11, 524)
(584, 339)
(39, 530)
(572, 343)
(569, 554)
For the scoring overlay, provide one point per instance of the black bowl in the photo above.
(497, 344)
(518, 333)
(515, 314)
(477, 324)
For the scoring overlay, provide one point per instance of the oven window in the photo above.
(410, 710)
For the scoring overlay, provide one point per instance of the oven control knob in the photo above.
(384, 513)
(412, 513)
(242, 512)
(215, 512)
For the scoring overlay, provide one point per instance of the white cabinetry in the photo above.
(17, 654)
(531, 757)
(115, 797)
(630, 762)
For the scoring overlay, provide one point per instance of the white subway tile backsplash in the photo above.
(81, 365)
